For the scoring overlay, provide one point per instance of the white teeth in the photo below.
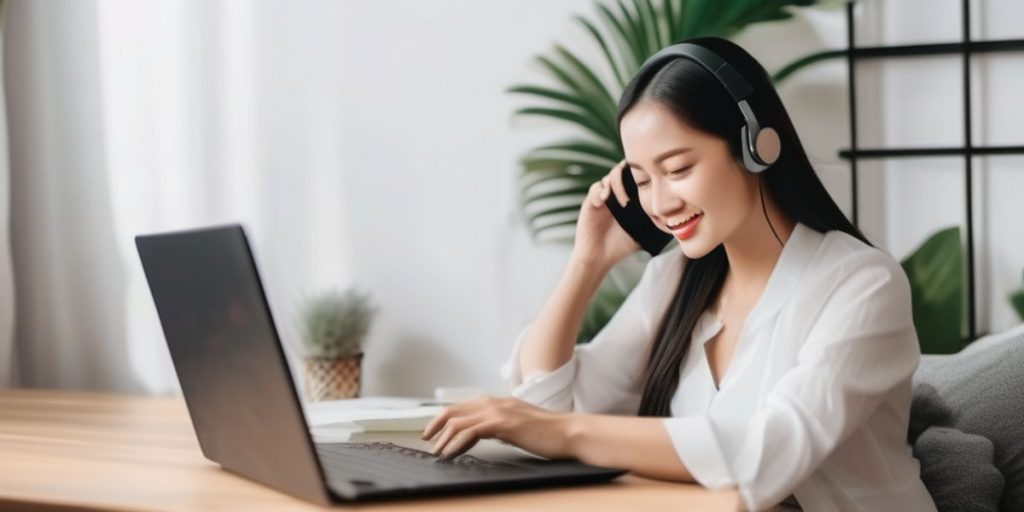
(681, 220)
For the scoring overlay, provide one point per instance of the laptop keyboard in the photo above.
(403, 464)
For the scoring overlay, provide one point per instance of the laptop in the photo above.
(243, 403)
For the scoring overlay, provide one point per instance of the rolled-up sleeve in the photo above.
(550, 390)
(861, 347)
(604, 375)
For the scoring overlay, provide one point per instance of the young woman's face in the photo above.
(682, 172)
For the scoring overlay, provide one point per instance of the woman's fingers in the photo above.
(458, 427)
(611, 183)
(616, 183)
(594, 195)
(446, 434)
(452, 411)
(452, 430)
(436, 424)
(467, 438)
(459, 444)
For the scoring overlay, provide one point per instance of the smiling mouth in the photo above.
(676, 224)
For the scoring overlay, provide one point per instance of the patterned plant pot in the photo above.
(333, 378)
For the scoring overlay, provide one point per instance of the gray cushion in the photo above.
(977, 391)
(926, 409)
(957, 470)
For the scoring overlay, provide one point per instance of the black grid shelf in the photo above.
(862, 154)
(964, 48)
(917, 50)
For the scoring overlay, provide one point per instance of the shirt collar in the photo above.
(785, 277)
(782, 283)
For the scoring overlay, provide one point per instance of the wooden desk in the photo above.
(70, 450)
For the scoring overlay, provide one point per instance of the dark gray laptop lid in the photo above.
(228, 358)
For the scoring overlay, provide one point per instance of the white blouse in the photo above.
(815, 400)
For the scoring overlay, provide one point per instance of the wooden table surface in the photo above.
(73, 450)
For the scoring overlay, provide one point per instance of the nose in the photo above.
(663, 202)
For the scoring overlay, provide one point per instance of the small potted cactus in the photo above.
(334, 327)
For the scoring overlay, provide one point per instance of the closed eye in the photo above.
(675, 172)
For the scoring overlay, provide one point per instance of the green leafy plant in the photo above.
(1017, 301)
(555, 176)
(335, 323)
(936, 274)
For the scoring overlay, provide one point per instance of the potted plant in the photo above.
(334, 328)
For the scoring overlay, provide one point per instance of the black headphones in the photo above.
(761, 146)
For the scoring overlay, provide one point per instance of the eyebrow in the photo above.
(662, 156)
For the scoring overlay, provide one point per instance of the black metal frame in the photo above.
(965, 48)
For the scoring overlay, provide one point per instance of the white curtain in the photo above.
(132, 117)
(6, 277)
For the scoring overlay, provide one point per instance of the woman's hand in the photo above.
(599, 238)
(458, 427)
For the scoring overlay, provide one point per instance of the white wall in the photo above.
(423, 165)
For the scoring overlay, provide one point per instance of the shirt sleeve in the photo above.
(862, 346)
(604, 375)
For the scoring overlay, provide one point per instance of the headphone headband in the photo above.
(733, 81)
(760, 146)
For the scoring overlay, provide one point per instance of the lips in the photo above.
(675, 223)
(687, 228)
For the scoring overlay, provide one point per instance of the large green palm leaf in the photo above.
(936, 273)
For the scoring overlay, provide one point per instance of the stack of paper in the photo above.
(338, 420)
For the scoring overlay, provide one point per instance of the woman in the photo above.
(770, 348)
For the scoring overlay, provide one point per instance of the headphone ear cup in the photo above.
(760, 154)
(768, 145)
(750, 162)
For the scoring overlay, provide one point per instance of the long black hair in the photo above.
(698, 99)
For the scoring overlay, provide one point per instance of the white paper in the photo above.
(374, 414)
(415, 418)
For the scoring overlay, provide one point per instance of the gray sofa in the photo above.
(967, 425)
